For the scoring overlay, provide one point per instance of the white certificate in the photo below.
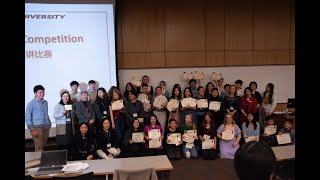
(251, 138)
(284, 138)
(154, 133)
(157, 103)
(172, 104)
(68, 107)
(270, 129)
(227, 135)
(202, 103)
(208, 144)
(189, 101)
(189, 145)
(140, 120)
(155, 143)
(146, 106)
(206, 137)
(214, 105)
(116, 105)
(190, 135)
(142, 97)
(174, 138)
(137, 137)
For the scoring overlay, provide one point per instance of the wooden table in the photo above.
(107, 166)
(284, 152)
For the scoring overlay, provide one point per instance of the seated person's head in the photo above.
(288, 124)
(269, 120)
(255, 161)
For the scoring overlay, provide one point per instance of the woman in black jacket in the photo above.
(131, 148)
(82, 145)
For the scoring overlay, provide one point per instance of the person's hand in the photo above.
(110, 156)
(188, 106)
(90, 157)
(91, 121)
(113, 126)
(202, 138)
(234, 144)
(196, 138)
(279, 133)
(265, 134)
(118, 149)
(180, 142)
(34, 133)
(168, 141)
(147, 138)
(130, 141)
(64, 112)
(143, 141)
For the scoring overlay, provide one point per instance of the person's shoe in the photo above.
(188, 155)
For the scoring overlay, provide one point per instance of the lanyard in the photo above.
(134, 107)
(107, 136)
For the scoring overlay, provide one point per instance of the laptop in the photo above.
(51, 162)
(291, 103)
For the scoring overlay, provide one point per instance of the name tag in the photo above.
(135, 115)
(231, 108)
(68, 119)
(105, 112)
(108, 145)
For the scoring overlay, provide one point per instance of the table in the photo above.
(284, 152)
(107, 166)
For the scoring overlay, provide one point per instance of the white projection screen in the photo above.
(68, 42)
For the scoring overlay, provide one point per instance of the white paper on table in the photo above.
(172, 104)
(251, 138)
(272, 129)
(154, 133)
(137, 137)
(190, 135)
(116, 105)
(155, 143)
(189, 101)
(68, 107)
(214, 105)
(206, 137)
(202, 103)
(75, 167)
(284, 138)
(208, 144)
(174, 138)
(189, 145)
(227, 134)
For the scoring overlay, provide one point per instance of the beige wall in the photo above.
(201, 33)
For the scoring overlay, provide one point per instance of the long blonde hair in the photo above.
(225, 119)
(192, 122)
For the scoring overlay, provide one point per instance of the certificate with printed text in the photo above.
(116, 105)
(284, 138)
(208, 144)
(174, 138)
(172, 104)
(251, 138)
(214, 105)
(270, 129)
(189, 101)
(155, 143)
(154, 133)
(227, 134)
(137, 137)
(190, 135)
(202, 103)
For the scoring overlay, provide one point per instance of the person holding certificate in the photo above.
(232, 102)
(202, 105)
(250, 127)
(172, 141)
(269, 132)
(228, 146)
(248, 103)
(153, 135)
(189, 149)
(107, 141)
(175, 114)
(187, 110)
(133, 141)
(288, 129)
(120, 121)
(160, 109)
(146, 104)
(215, 109)
(134, 107)
(207, 133)
(62, 116)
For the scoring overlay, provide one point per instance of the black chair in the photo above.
(88, 176)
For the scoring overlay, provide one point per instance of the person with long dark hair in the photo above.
(82, 144)
(208, 128)
(269, 102)
(102, 108)
(253, 86)
(250, 127)
(131, 148)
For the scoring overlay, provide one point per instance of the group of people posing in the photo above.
(95, 123)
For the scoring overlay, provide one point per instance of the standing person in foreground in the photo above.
(37, 119)
(255, 160)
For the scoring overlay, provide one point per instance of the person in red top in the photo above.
(248, 103)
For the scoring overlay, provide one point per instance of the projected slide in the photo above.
(67, 42)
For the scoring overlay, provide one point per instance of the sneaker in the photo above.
(188, 155)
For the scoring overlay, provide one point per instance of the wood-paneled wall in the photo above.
(202, 33)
